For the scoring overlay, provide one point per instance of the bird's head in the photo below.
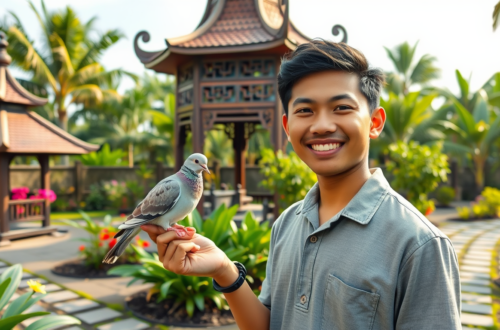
(197, 163)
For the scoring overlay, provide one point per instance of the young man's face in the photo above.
(329, 122)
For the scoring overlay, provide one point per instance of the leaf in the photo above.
(199, 300)
(10, 322)
(124, 270)
(53, 321)
(480, 111)
(465, 117)
(15, 306)
(14, 273)
(190, 307)
(464, 86)
(165, 287)
(4, 285)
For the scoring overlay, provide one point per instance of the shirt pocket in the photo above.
(346, 307)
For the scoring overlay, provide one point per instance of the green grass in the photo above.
(76, 216)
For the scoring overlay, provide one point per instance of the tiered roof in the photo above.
(23, 131)
(228, 26)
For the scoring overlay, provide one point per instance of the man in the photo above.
(353, 254)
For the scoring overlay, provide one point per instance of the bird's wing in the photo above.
(159, 201)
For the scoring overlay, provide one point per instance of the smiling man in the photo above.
(353, 254)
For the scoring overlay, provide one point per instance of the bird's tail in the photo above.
(125, 237)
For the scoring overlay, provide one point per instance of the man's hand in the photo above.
(192, 254)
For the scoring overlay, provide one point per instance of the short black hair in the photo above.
(321, 55)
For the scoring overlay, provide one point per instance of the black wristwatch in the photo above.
(236, 285)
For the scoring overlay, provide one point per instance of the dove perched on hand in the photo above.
(170, 201)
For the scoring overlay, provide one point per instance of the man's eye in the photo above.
(343, 107)
(304, 110)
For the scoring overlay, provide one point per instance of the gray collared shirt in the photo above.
(378, 264)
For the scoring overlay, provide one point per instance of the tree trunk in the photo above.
(479, 175)
(130, 155)
(63, 123)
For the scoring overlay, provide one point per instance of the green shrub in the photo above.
(286, 175)
(486, 205)
(13, 313)
(445, 195)
(464, 212)
(96, 199)
(104, 157)
(100, 240)
(417, 171)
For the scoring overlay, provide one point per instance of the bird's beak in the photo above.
(205, 168)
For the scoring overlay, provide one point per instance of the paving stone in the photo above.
(474, 281)
(98, 315)
(76, 305)
(467, 274)
(476, 269)
(477, 308)
(476, 289)
(129, 324)
(3, 264)
(477, 320)
(59, 296)
(485, 257)
(476, 298)
(34, 308)
(27, 275)
(472, 262)
(24, 283)
(52, 287)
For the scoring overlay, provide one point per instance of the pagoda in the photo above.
(23, 132)
(226, 73)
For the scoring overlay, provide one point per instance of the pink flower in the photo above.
(20, 193)
(114, 182)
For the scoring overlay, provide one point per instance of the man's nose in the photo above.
(324, 123)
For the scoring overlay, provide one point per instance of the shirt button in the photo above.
(313, 239)
(303, 299)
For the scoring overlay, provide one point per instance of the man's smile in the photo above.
(325, 146)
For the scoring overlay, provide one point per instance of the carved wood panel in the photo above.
(218, 94)
(257, 93)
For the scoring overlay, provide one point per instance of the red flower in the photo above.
(81, 248)
(105, 230)
(428, 211)
(100, 243)
(112, 243)
(137, 238)
(104, 236)
(145, 244)
(123, 215)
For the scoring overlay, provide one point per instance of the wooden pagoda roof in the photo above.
(23, 131)
(228, 26)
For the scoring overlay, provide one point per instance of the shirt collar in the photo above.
(362, 206)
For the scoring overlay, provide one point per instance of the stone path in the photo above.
(476, 247)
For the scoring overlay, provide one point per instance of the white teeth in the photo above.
(325, 147)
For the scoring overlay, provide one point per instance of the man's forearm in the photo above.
(248, 311)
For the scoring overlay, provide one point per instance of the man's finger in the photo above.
(165, 239)
(178, 261)
(153, 231)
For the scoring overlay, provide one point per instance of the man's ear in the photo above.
(285, 126)
(377, 122)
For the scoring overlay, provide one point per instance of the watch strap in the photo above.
(237, 284)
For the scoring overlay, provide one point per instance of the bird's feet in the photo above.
(180, 230)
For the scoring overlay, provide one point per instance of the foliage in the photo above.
(487, 205)
(219, 147)
(115, 192)
(286, 175)
(100, 240)
(67, 62)
(445, 195)
(135, 193)
(103, 157)
(417, 171)
(96, 199)
(407, 72)
(496, 15)
(188, 291)
(13, 313)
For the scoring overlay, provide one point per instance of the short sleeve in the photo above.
(428, 288)
(265, 293)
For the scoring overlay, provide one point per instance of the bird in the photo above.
(170, 201)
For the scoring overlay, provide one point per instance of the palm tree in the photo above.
(67, 61)
(407, 72)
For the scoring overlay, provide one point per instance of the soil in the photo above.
(76, 268)
(169, 313)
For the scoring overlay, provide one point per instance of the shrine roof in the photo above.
(230, 26)
(24, 131)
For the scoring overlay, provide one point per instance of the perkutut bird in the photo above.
(170, 201)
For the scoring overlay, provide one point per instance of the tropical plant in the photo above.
(409, 73)
(101, 239)
(445, 195)
(218, 146)
(496, 15)
(188, 292)
(417, 171)
(13, 313)
(115, 192)
(487, 205)
(96, 199)
(67, 62)
(103, 157)
(286, 175)
(258, 141)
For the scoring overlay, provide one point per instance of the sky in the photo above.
(457, 32)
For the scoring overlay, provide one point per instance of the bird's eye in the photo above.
(196, 161)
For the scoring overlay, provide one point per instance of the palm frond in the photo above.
(496, 15)
(425, 70)
(97, 48)
(86, 94)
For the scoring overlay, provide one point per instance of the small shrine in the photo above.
(226, 73)
(23, 132)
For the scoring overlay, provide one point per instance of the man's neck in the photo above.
(338, 190)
